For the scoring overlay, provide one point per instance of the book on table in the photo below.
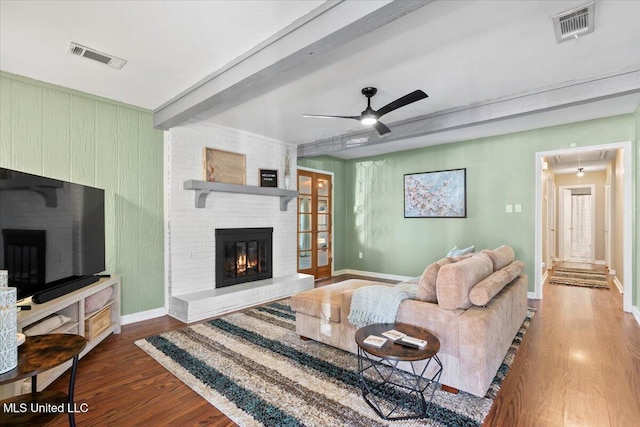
(375, 341)
(394, 335)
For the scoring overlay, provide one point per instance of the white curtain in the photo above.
(581, 226)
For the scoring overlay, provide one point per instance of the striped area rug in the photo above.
(253, 367)
(579, 277)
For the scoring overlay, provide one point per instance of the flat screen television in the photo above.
(51, 232)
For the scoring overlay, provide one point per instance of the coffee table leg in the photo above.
(72, 383)
(417, 388)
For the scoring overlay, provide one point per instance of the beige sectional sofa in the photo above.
(473, 304)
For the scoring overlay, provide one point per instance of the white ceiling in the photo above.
(462, 53)
(169, 45)
(588, 161)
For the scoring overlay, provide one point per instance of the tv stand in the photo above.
(95, 326)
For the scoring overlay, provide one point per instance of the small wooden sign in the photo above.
(268, 178)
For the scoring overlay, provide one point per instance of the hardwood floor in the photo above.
(578, 365)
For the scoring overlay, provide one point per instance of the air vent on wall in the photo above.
(575, 22)
(104, 58)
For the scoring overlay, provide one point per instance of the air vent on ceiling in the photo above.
(575, 22)
(104, 58)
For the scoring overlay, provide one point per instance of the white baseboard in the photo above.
(374, 274)
(618, 285)
(600, 262)
(143, 315)
(545, 275)
(636, 313)
(340, 272)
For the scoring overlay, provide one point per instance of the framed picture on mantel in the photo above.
(268, 178)
(224, 166)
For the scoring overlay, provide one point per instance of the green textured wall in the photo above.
(64, 134)
(332, 164)
(500, 171)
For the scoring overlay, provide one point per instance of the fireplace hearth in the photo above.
(243, 255)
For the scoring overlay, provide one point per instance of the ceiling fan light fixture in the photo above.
(369, 119)
(580, 172)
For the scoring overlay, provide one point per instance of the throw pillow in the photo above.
(459, 252)
(427, 282)
(455, 281)
(500, 256)
(484, 291)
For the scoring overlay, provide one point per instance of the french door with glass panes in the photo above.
(314, 224)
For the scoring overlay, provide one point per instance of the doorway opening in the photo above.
(619, 230)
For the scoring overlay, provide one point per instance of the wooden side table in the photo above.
(38, 354)
(395, 394)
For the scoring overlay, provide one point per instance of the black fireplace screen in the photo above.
(243, 255)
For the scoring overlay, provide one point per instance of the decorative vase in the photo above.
(287, 182)
(8, 325)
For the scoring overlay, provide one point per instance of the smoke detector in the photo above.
(104, 58)
(575, 22)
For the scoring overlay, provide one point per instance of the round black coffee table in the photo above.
(397, 392)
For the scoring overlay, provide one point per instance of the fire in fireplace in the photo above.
(243, 255)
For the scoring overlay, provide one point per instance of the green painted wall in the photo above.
(500, 171)
(65, 134)
(337, 166)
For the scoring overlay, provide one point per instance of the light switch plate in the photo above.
(509, 209)
(518, 208)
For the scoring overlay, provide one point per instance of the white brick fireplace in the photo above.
(190, 231)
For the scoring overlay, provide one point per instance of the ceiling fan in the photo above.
(370, 116)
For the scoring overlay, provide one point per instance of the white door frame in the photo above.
(627, 250)
(566, 252)
(552, 225)
(607, 225)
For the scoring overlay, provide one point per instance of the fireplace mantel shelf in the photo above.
(203, 188)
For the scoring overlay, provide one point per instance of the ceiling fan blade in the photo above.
(321, 116)
(381, 128)
(401, 102)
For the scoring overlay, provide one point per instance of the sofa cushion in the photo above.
(484, 291)
(500, 256)
(455, 280)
